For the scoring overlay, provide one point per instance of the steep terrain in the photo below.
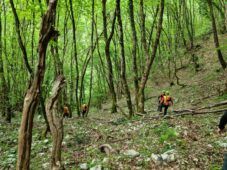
(193, 141)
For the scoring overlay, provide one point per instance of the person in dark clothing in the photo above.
(168, 101)
(160, 101)
(223, 122)
(225, 162)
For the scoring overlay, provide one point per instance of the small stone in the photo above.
(171, 158)
(83, 166)
(209, 146)
(97, 167)
(157, 159)
(170, 151)
(131, 153)
(164, 156)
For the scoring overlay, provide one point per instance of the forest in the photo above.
(113, 84)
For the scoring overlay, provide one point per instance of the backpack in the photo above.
(167, 100)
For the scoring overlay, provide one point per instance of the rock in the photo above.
(131, 153)
(83, 166)
(97, 167)
(209, 146)
(164, 156)
(171, 158)
(157, 159)
(170, 151)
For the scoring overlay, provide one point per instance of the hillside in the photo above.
(193, 141)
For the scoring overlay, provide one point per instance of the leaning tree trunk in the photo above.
(216, 41)
(55, 119)
(150, 59)
(47, 32)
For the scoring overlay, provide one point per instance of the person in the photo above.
(167, 101)
(66, 111)
(160, 101)
(223, 122)
(224, 167)
(84, 109)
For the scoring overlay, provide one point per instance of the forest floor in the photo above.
(192, 140)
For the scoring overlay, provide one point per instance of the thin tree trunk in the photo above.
(150, 59)
(55, 119)
(134, 48)
(92, 44)
(216, 41)
(123, 68)
(19, 38)
(47, 32)
(108, 58)
(75, 57)
(4, 92)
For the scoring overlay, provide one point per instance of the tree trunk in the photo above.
(108, 58)
(134, 48)
(150, 59)
(4, 93)
(47, 32)
(123, 68)
(55, 119)
(92, 44)
(75, 57)
(19, 38)
(216, 41)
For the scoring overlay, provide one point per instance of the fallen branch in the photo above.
(223, 103)
(190, 112)
(214, 105)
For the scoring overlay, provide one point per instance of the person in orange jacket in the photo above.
(84, 109)
(167, 101)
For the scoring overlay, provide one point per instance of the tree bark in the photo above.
(123, 68)
(108, 58)
(55, 119)
(216, 41)
(47, 32)
(150, 59)
(134, 48)
(92, 44)
(75, 57)
(4, 92)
